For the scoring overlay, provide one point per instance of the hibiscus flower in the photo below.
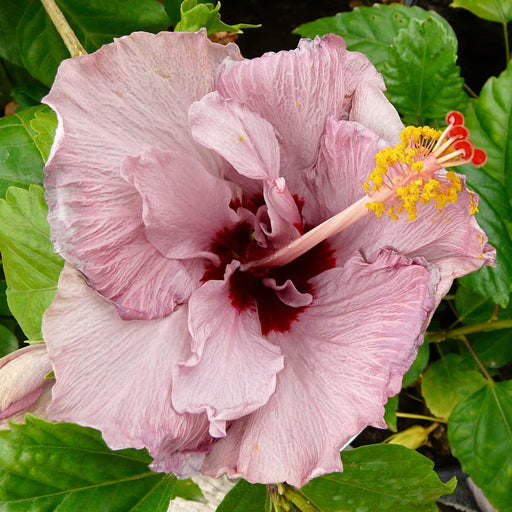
(230, 302)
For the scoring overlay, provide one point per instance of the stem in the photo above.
(477, 359)
(298, 499)
(438, 336)
(66, 33)
(470, 91)
(507, 47)
(419, 417)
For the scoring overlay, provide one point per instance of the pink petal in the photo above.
(182, 209)
(296, 91)
(242, 137)
(347, 151)
(372, 109)
(288, 293)
(233, 371)
(452, 240)
(37, 408)
(344, 357)
(128, 96)
(22, 378)
(116, 375)
(249, 144)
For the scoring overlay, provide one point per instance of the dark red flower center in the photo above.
(246, 288)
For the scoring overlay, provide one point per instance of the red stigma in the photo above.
(459, 131)
(479, 157)
(455, 118)
(467, 147)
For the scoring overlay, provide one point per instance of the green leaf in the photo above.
(15, 81)
(369, 30)
(377, 478)
(196, 14)
(44, 125)
(21, 161)
(446, 382)
(246, 497)
(480, 434)
(11, 12)
(390, 412)
(494, 283)
(94, 22)
(494, 348)
(4, 308)
(471, 307)
(423, 81)
(492, 10)
(418, 366)
(65, 467)
(8, 341)
(31, 267)
(29, 95)
(489, 120)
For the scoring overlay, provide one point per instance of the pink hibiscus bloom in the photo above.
(207, 313)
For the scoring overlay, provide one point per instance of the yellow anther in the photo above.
(417, 166)
(241, 137)
(376, 207)
(473, 202)
(405, 170)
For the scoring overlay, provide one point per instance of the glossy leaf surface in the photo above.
(494, 283)
(492, 10)
(379, 478)
(62, 466)
(480, 433)
(446, 382)
(246, 497)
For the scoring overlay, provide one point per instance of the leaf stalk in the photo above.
(66, 33)
(439, 336)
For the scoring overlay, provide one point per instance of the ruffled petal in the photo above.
(348, 149)
(139, 99)
(288, 293)
(22, 378)
(183, 205)
(344, 357)
(233, 370)
(296, 91)
(372, 109)
(116, 375)
(248, 142)
(451, 240)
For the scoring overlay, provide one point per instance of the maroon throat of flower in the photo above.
(411, 174)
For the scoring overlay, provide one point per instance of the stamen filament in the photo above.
(447, 158)
(439, 149)
(301, 245)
